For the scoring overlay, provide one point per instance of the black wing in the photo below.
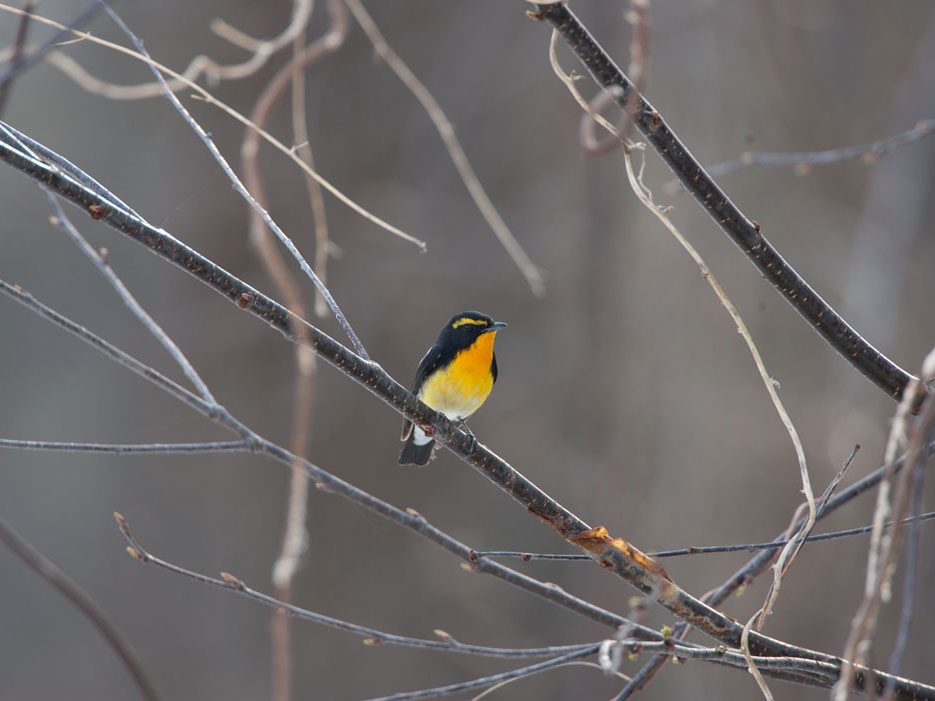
(493, 366)
(430, 362)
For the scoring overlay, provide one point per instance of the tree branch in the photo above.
(742, 231)
(57, 579)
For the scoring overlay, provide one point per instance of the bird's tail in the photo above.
(418, 448)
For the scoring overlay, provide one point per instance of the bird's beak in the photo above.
(495, 326)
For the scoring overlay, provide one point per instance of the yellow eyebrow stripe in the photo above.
(468, 320)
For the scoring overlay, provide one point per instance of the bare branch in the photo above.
(743, 232)
(244, 446)
(16, 60)
(295, 536)
(884, 545)
(758, 564)
(58, 580)
(101, 262)
(445, 129)
(27, 62)
(909, 579)
(203, 94)
(371, 636)
(238, 185)
(262, 51)
(164, 383)
(493, 679)
(871, 153)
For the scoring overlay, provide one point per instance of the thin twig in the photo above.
(16, 60)
(301, 14)
(884, 545)
(801, 161)
(492, 679)
(758, 564)
(646, 198)
(789, 551)
(295, 534)
(238, 185)
(38, 53)
(806, 671)
(203, 94)
(589, 143)
(752, 667)
(244, 446)
(909, 580)
(58, 580)
(101, 262)
(743, 232)
(371, 636)
(164, 383)
(507, 682)
(201, 65)
(445, 129)
(638, 16)
(694, 550)
(291, 74)
(301, 139)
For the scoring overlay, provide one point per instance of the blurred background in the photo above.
(624, 392)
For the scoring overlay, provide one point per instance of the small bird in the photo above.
(454, 378)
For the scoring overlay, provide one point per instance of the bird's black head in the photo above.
(464, 328)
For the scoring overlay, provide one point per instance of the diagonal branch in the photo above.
(742, 231)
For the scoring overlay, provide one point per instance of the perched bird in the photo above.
(454, 378)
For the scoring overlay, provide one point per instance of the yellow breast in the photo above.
(458, 390)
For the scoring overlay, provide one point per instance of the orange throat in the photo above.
(458, 390)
